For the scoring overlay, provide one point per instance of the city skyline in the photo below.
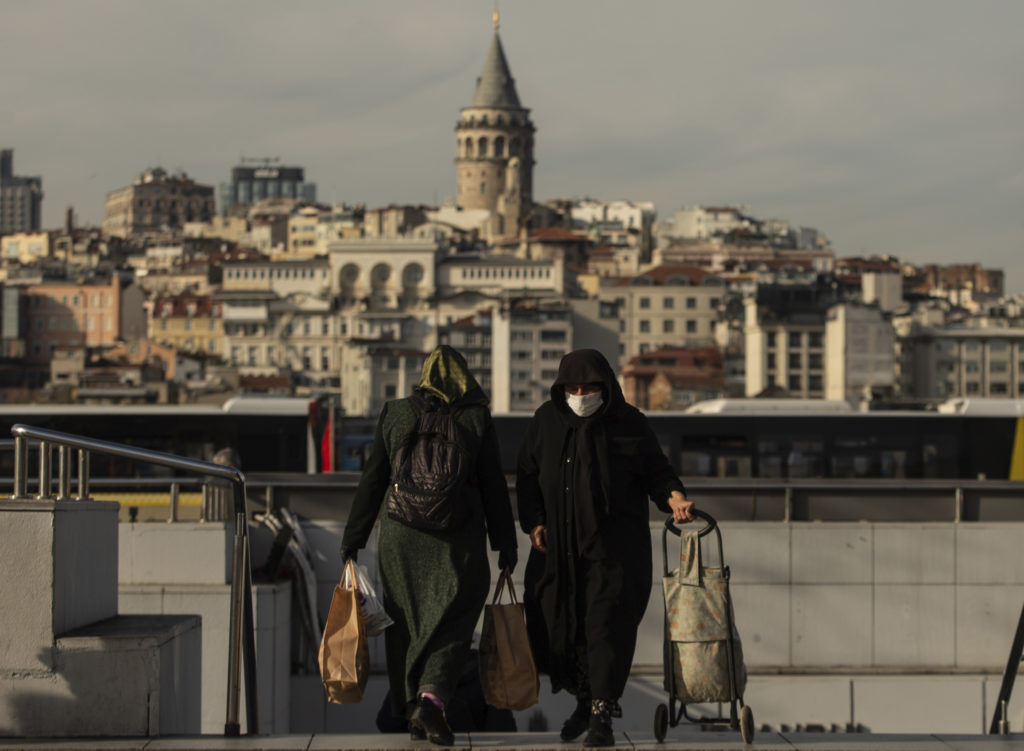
(892, 128)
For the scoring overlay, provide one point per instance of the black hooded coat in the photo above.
(587, 480)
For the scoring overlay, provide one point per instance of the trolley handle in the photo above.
(711, 523)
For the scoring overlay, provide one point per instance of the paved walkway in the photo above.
(690, 740)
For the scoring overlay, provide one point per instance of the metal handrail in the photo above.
(242, 634)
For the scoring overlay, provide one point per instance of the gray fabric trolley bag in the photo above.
(703, 655)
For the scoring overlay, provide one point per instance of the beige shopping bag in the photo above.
(508, 673)
(344, 653)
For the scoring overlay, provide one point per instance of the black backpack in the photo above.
(431, 468)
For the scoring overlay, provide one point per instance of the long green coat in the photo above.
(434, 584)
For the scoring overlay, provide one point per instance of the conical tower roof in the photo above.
(495, 87)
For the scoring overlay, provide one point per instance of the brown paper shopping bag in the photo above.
(344, 653)
(508, 673)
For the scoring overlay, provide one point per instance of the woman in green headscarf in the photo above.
(434, 583)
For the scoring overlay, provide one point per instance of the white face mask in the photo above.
(584, 405)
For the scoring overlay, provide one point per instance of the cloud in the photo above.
(896, 127)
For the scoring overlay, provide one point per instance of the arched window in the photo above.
(481, 147)
(469, 147)
(499, 146)
(513, 147)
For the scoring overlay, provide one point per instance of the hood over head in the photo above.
(446, 375)
(587, 366)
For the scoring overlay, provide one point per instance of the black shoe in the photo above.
(417, 734)
(577, 722)
(600, 723)
(429, 719)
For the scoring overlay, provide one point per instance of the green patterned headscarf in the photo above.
(446, 375)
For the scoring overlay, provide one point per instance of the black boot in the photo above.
(574, 726)
(600, 724)
(428, 718)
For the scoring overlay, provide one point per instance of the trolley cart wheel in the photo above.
(660, 722)
(747, 724)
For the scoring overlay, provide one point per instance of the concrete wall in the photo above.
(58, 569)
(185, 568)
(68, 664)
(894, 627)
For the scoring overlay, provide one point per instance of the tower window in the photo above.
(482, 147)
(483, 188)
(513, 147)
(499, 146)
(469, 147)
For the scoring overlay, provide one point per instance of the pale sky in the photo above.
(892, 126)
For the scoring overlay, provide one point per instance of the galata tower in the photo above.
(494, 147)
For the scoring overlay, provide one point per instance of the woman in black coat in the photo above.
(586, 468)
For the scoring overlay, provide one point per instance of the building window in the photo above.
(668, 303)
(667, 326)
(794, 383)
(691, 327)
(814, 382)
(771, 339)
(795, 361)
(814, 339)
(771, 360)
(645, 326)
(997, 388)
(971, 366)
(972, 387)
(691, 303)
(814, 360)
(998, 366)
(645, 302)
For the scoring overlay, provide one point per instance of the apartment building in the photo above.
(471, 336)
(310, 277)
(528, 341)
(784, 334)
(943, 363)
(372, 372)
(157, 202)
(860, 353)
(25, 247)
(73, 314)
(673, 377)
(21, 198)
(666, 306)
(188, 323)
(499, 273)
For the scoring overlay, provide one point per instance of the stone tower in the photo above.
(494, 147)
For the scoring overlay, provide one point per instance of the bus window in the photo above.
(893, 464)
(696, 464)
(939, 456)
(734, 466)
(806, 459)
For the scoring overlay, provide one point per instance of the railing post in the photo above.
(20, 468)
(64, 474)
(83, 475)
(175, 490)
(231, 726)
(958, 505)
(45, 471)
